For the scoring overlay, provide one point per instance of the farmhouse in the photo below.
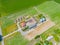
(30, 26)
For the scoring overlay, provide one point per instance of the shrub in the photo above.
(38, 36)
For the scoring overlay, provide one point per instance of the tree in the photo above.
(38, 36)
(57, 31)
(46, 42)
(56, 38)
(39, 42)
(0, 37)
(57, 35)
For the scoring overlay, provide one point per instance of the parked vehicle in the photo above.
(42, 20)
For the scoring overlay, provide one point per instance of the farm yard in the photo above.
(50, 8)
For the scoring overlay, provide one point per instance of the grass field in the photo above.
(52, 9)
(16, 39)
(12, 6)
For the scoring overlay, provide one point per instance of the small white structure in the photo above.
(49, 38)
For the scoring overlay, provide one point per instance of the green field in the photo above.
(51, 8)
(13, 6)
(16, 39)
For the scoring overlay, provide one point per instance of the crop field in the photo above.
(51, 8)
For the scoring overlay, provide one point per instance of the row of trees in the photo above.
(44, 43)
